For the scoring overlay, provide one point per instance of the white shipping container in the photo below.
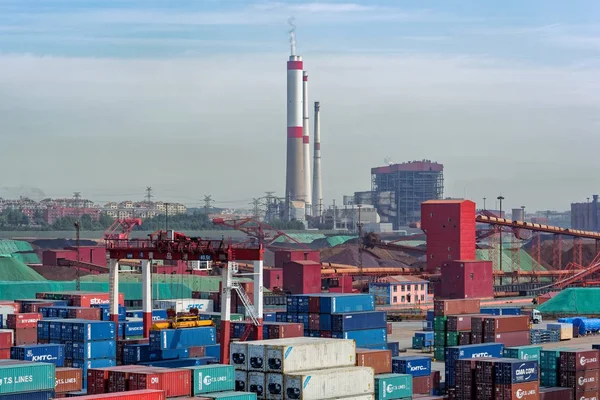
(256, 383)
(241, 381)
(4, 311)
(238, 355)
(184, 305)
(359, 397)
(308, 354)
(566, 330)
(274, 386)
(256, 357)
(329, 383)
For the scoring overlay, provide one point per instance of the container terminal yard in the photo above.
(469, 305)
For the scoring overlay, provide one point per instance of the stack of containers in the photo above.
(49, 353)
(27, 380)
(458, 329)
(429, 321)
(67, 380)
(485, 350)
(508, 330)
(579, 370)
(420, 370)
(442, 309)
(539, 336)
(307, 368)
(379, 360)
(271, 330)
(174, 344)
(550, 366)
(516, 379)
(422, 340)
(6, 342)
(24, 326)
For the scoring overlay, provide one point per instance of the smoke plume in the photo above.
(292, 35)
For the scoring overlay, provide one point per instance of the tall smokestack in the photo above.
(317, 192)
(294, 182)
(306, 144)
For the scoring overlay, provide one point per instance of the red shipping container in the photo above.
(390, 328)
(422, 384)
(6, 338)
(5, 354)
(286, 330)
(197, 351)
(436, 379)
(460, 323)
(68, 380)
(17, 321)
(90, 299)
(518, 391)
(97, 378)
(314, 305)
(379, 360)
(272, 278)
(581, 381)
(314, 322)
(590, 395)
(90, 313)
(506, 323)
(175, 382)
(470, 279)
(118, 381)
(579, 360)
(326, 334)
(456, 307)
(302, 277)
(25, 336)
(132, 395)
(35, 307)
(509, 339)
(555, 393)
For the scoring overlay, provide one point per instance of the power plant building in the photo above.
(397, 190)
(584, 216)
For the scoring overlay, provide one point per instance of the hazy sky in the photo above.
(108, 97)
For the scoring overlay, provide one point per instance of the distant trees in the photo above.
(10, 219)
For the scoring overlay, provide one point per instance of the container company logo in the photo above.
(208, 380)
(583, 380)
(588, 398)
(40, 358)
(392, 388)
(98, 301)
(197, 305)
(523, 393)
(485, 354)
(412, 368)
(527, 372)
(583, 360)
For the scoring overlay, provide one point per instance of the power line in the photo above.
(149, 194)
(207, 204)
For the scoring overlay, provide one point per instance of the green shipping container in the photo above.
(451, 338)
(439, 323)
(531, 353)
(393, 386)
(417, 343)
(25, 376)
(439, 353)
(549, 359)
(549, 378)
(439, 339)
(232, 396)
(212, 378)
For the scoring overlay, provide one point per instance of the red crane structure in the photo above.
(263, 233)
(126, 225)
(170, 245)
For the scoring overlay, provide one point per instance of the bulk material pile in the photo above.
(314, 368)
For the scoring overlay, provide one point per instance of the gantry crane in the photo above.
(263, 233)
(170, 245)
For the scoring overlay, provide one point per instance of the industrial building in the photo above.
(584, 216)
(397, 190)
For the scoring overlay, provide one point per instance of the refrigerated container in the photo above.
(329, 383)
(302, 354)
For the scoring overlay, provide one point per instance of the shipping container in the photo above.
(184, 305)
(7, 338)
(232, 396)
(411, 365)
(581, 381)
(458, 323)
(365, 337)
(182, 362)
(510, 371)
(329, 383)
(358, 320)
(25, 336)
(519, 391)
(96, 349)
(137, 353)
(523, 352)
(421, 384)
(520, 338)
(50, 353)
(555, 393)
(175, 382)
(591, 395)
(212, 378)
(238, 355)
(486, 350)
(379, 360)
(94, 363)
(303, 354)
(130, 395)
(89, 330)
(579, 360)
(274, 386)
(330, 303)
(38, 395)
(456, 307)
(24, 376)
(507, 323)
(393, 386)
(18, 321)
(257, 383)
(179, 338)
(68, 380)
(241, 380)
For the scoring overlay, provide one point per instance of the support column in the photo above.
(258, 296)
(113, 277)
(147, 296)
(226, 283)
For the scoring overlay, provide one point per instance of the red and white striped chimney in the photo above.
(294, 182)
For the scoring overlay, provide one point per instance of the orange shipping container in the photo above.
(379, 360)
(68, 380)
(131, 395)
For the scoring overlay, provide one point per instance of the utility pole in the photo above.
(149, 194)
(207, 204)
(360, 244)
(255, 208)
(77, 266)
(500, 198)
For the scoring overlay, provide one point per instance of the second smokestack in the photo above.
(317, 192)
(306, 144)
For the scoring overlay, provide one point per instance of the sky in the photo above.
(108, 97)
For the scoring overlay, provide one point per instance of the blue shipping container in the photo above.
(136, 353)
(96, 349)
(270, 317)
(182, 362)
(93, 330)
(325, 322)
(213, 351)
(412, 365)
(50, 353)
(180, 338)
(430, 315)
(485, 350)
(42, 395)
(344, 303)
(106, 312)
(511, 311)
(510, 371)
(358, 320)
(132, 328)
(157, 314)
(96, 363)
(365, 337)
(490, 311)
(425, 335)
(394, 347)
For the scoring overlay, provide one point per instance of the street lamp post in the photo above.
(500, 198)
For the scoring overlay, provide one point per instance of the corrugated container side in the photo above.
(130, 395)
(175, 382)
(68, 380)
(556, 393)
(241, 381)
(38, 395)
(307, 354)
(329, 383)
(212, 378)
(257, 383)
(23, 376)
(379, 360)
(411, 365)
(579, 360)
(365, 337)
(233, 396)
(51, 353)
(393, 386)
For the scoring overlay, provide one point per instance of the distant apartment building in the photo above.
(585, 216)
(400, 290)
(51, 214)
(143, 209)
(397, 190)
